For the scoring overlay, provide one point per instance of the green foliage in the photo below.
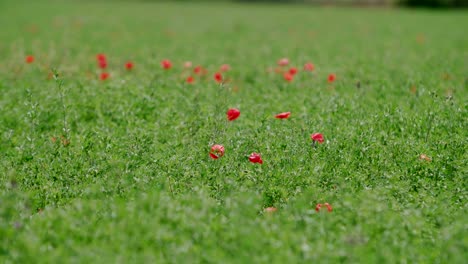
(118, 170)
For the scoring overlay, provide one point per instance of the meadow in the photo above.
(115, 168)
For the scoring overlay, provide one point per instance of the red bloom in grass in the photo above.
(283, 115)
(288, 77)
(104, 76)
(331, 77)
(190, 80)
(317, 137)
(283, 62)
(198, 69)
(309, 67)
(101, 57)
(233, 114)
(166, 64)
(225, 67)
(129, 65)
(29, 59)
(217, 151)
(255, 158)
(271, 209)
(293, 71)
(218, 77)
(319, 206)
(102, 64)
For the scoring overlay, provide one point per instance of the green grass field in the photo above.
(118, 171)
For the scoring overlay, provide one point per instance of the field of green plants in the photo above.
(109, 112)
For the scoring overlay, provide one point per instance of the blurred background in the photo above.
(410, 3)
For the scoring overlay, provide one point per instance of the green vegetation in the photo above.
(118, 171)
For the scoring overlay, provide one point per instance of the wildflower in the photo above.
(283, 62)
(225, 67)
(189, 80)
(217, 151)
(218, 77)
(104, 76)
(101, 57)
(29, 59)
(129, 65)
(331, 77)
(288, 77)
(292, 71)
(102, 64)
(198, 69)
(233, 114)
(166, 64)
(319, 206)
(309, 67)
(283, 115)
(255, 158)
(317, 137)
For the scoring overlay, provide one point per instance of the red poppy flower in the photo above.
(218, 77)
(288, 77)
(319, 206)
(233, 114)
(102, 64)
(29, 59)
(271, 209)
(166, 64)
(225, 67)
(283, 62)
(293, 71)
(309, 67)
(255, 158)
(317, 137)
(101, 57)
(129, 65)
(217, 151)
(283, 115)
(198, 69)
(190, 79)
(104, 76)
(331, 78)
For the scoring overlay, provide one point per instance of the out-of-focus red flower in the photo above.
(225, 67)
(271, 209)
(101, 57)
(317, 137)
(190, 79)
(217, 151)
(104, 76)
(218, 77)
(309, 67)
(166, 64)
(288, 77)
(129, 65)
(283, 115)
(292, 71)
(188, 64)
(255, 158)
(283, 62)
(233, 114)
(29, 59)
(319, 206)
(102, 64)
(331, 77)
